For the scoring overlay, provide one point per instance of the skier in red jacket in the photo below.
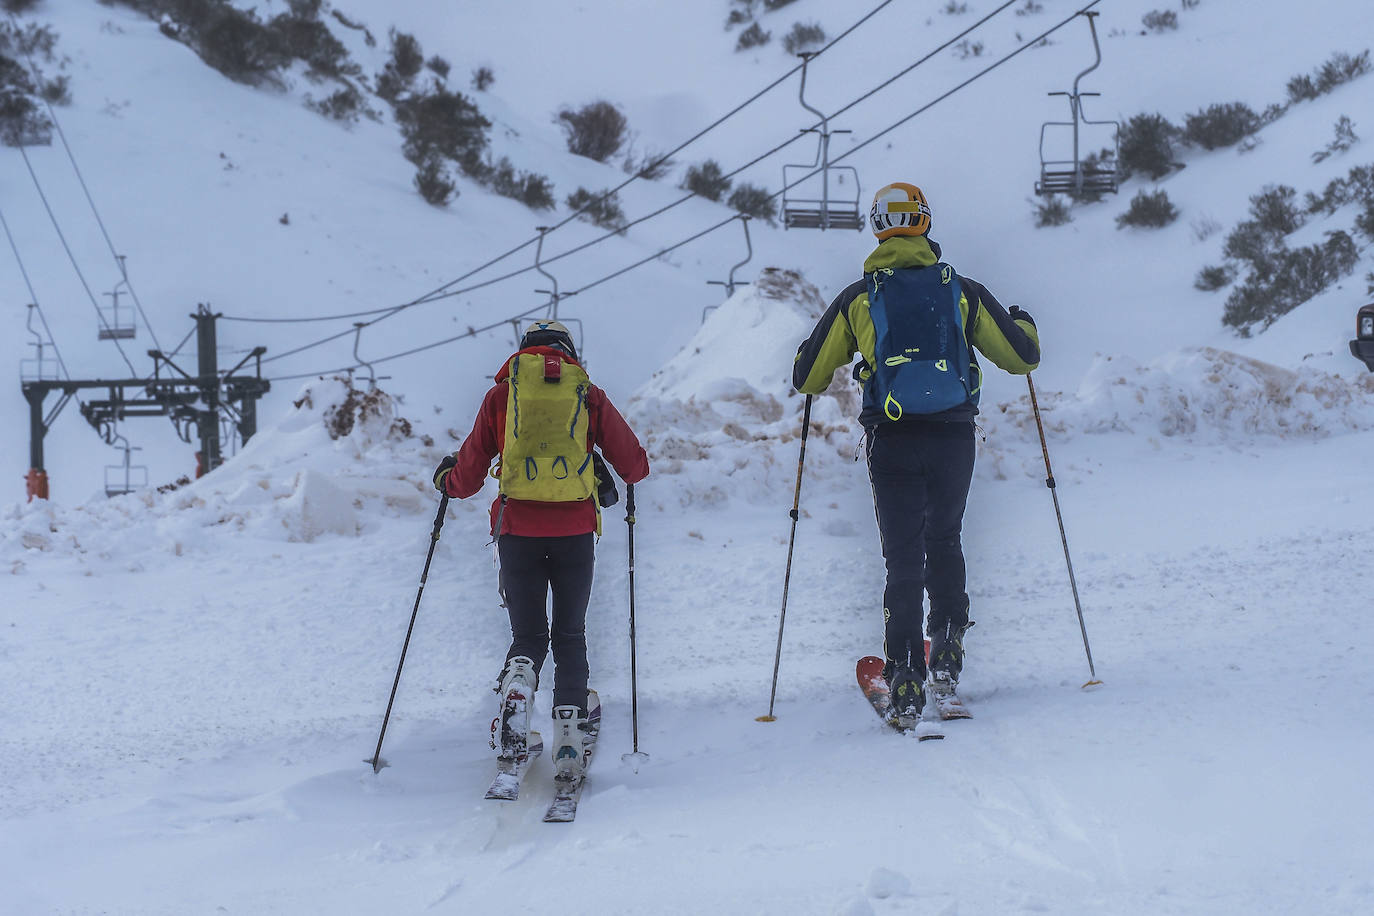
(543, 417)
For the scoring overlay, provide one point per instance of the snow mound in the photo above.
(722, 413)
(340, 457)
(1204, 395)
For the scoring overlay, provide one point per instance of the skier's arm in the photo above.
(481, 445)
(1012, 344)
(616, 440)
(831, 345)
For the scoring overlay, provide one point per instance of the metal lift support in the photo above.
(823, 212)
(1079, 176)
(729, 283)
(188, 400)
(554, 296)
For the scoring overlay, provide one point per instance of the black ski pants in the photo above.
(921, 471)
(530, 566)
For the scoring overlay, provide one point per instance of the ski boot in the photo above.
(511, 728)
(946, 663)
(908, 697)
(568, 728)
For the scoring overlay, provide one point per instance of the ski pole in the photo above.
(377, 761)
(1049, 482)
(787, 578)
(636, 755)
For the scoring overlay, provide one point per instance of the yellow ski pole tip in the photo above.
(1092, 684)
(766, 719)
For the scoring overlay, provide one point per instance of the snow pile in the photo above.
(339, 456)
(1200, 395)
(722, 413)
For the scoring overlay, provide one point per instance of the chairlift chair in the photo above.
(41, 367)
(828, 211)
(122, 479)
(730, 283)
(116, 322)
(1081, 175)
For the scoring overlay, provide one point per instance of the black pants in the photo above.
(529, 566)
(921, 473)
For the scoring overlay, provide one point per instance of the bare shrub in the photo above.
(406, 62)
(531, 189)
(443, 123)
(597, 130)
(600, 208)
(753, 37)
(1295, 276)
(1160, 20)
(1052, 210)
(706, 180)
(1219, 126)
(1147, 145)
(1211, 279)
(805, 36)
(482, 79)
(433, 182)
(1149, 210)
(1345, 138)
(754, 201)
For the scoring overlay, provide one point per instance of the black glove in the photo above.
(441, 472)
(1020, 314)
(606, 493)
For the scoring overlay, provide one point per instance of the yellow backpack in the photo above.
(544, 455)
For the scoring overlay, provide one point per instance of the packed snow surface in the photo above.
(195, 673)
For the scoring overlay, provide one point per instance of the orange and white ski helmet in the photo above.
(899, 209)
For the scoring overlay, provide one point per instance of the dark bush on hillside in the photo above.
(1340, 68)
(1052, 210)
(1297, 276)
(651, 165)
(433, 183)
(533, 190)
(345, 105)
(805, 36)
(753, 37)
(1276, 209)
(439, 67)
(21, 123)
(1211, 279)
(1220, 126)
(1148, 210)
(753, 201)
(309, 40)
(1160, 20)
(600, 208)
(239, 45)
(1344, 139)
(776, 4)
(18, 6)
(1254, 243)
(57, 91)
(1356, 187)
(443, 124)
(706, 180)
(407, 60)
(1147, 145)
(597, 130)
(482, 78)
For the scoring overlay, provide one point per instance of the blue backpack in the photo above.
(920, 348)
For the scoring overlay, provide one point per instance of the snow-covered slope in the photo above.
(193, 677)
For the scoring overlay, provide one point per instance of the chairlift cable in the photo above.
(435, 294)
(1029, 44)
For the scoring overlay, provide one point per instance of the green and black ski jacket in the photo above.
(846, 328)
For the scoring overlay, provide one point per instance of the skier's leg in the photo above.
(525, 588)
(899, 497)
(571, 563)
(949, 461)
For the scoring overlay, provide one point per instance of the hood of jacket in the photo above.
(903, 251)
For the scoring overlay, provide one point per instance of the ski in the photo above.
(510, 770)
(567, 792)
(870, 674)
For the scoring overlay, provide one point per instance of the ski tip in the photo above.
(765, 718)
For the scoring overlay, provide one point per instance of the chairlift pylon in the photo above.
(1081, 175)
(729, 283)
(826, 211)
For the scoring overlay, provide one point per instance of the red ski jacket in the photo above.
(606, 430)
